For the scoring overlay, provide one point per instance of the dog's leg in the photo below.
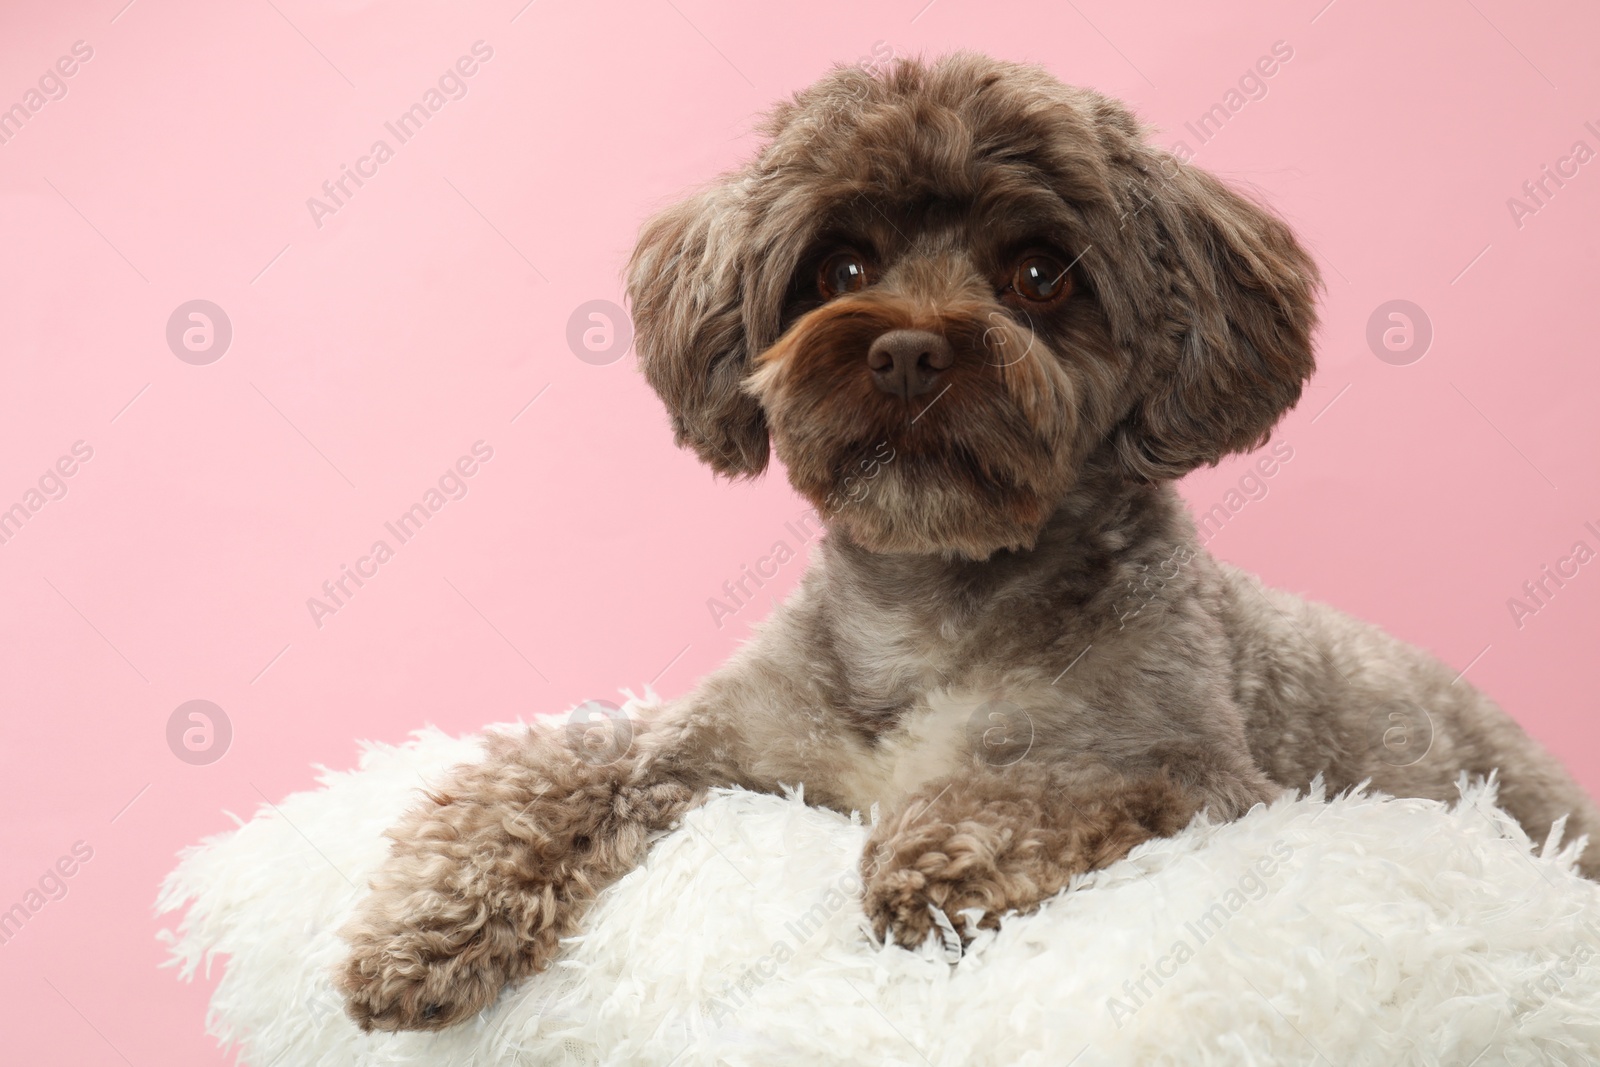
(1000, 839)
(504, 860)
(501, 863)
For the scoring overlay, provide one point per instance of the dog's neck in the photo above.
(889, 616)
(1103, 520)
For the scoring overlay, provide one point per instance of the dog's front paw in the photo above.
(420, 979)
(902, 909)
(444, 928)
(1005, 839)
(917, 884)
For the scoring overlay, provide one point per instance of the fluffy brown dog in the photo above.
(985, 325)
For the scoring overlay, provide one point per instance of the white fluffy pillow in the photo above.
(1364, 930)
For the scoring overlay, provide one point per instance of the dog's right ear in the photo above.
(1239, 293)
(686, 285)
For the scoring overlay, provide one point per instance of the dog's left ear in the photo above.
(687, 282)
(1237, 295)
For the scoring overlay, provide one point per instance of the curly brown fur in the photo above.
(1010, 640)
(998, 840)
(484, 881)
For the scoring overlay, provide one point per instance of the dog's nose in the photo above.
(907, 363)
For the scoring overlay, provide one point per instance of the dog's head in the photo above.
(940, 292)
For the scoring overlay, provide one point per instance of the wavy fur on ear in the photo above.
(686, 283)
(1241, 295)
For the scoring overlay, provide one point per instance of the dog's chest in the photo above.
(889, 659)
(922, 702)
(941, 732)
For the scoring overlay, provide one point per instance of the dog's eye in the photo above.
(842, 272)
(1040, 279)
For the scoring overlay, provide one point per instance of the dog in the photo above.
(985, 325)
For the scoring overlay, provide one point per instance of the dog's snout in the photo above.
(907, 363)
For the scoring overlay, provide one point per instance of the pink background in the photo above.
(368, 354)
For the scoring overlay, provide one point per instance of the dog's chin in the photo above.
(917, 506)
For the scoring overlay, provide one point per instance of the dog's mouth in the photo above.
(952, 501)
(955, 440)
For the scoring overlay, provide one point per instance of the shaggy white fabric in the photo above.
(1363, 930)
